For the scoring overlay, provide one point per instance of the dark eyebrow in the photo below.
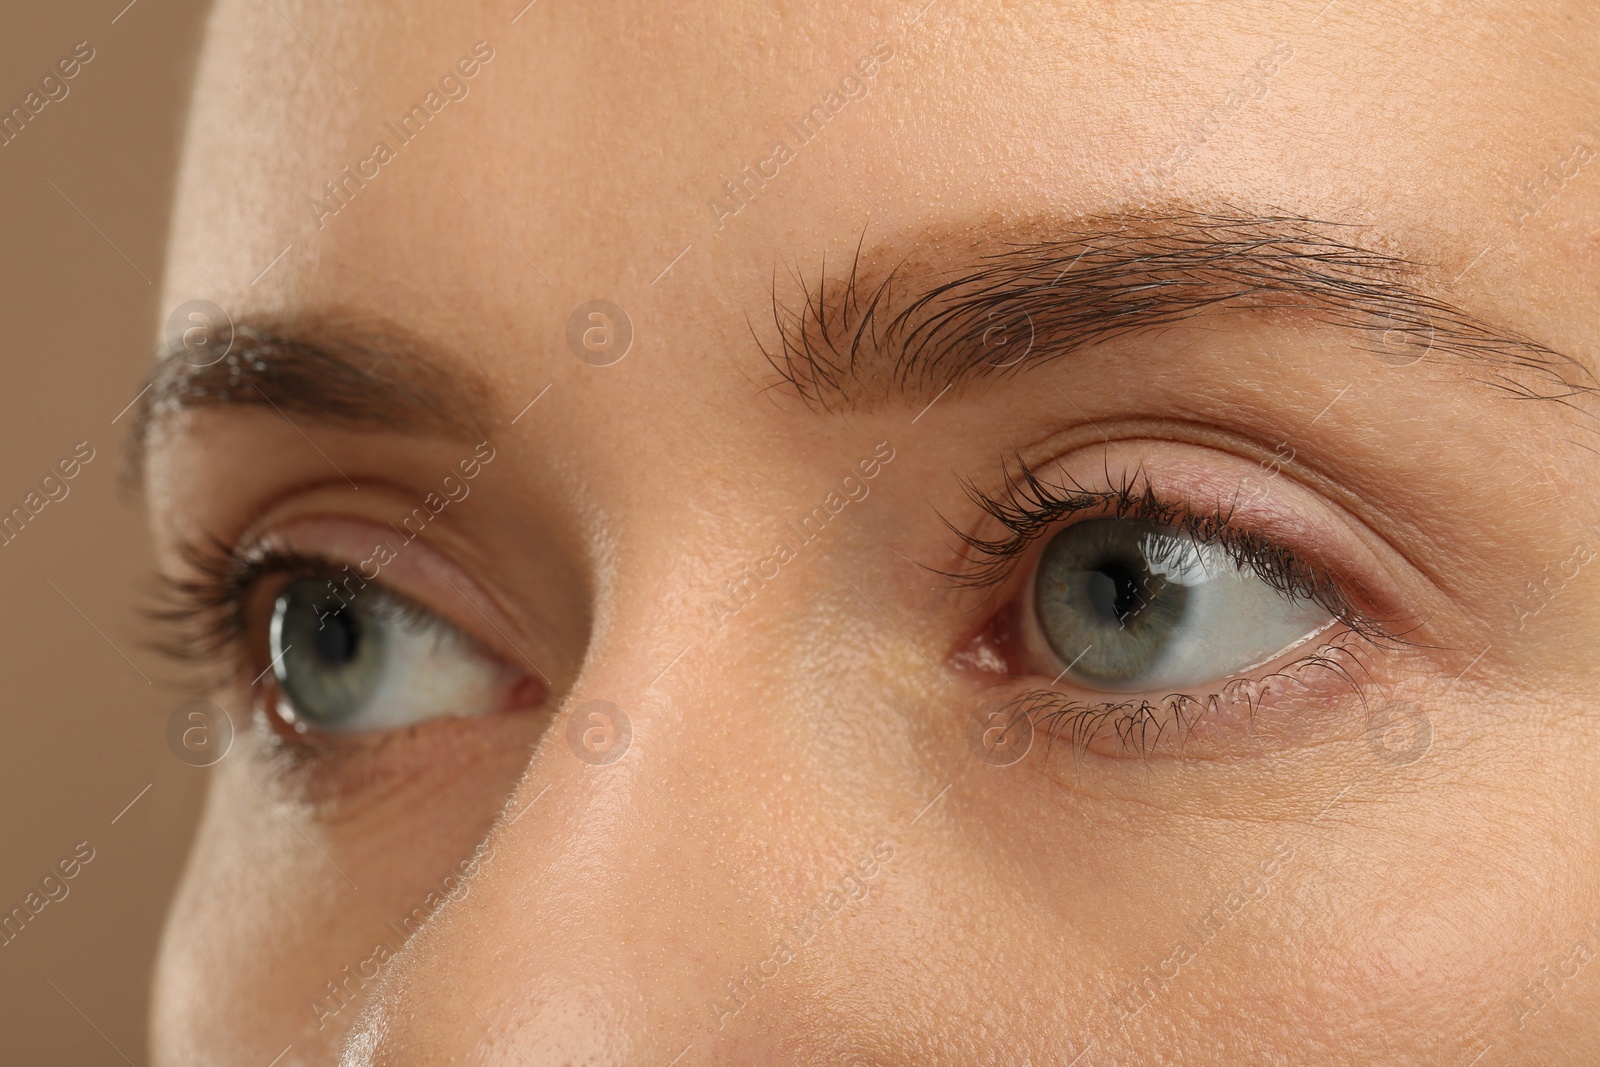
(878, 335)
(372, 377)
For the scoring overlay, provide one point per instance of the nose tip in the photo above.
(572, 1025)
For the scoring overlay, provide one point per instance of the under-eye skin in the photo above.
(330, 657)
(1141, 616)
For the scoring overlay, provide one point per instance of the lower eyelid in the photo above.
(1313, 694)
(329, 771)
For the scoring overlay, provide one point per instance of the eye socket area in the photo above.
(1155, 589)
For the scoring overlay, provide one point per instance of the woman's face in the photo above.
(949, 533)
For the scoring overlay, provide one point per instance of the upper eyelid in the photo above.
(1026, 521)
(456, 600)
(292, 547)
(385, 596)
(1031, 508)
(1028, 507)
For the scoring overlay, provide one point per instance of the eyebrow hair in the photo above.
(855, 342)
(372, 377)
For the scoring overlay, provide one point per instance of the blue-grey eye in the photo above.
(371, 661)
(1129, 606)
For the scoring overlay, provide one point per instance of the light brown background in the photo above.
(84, 732)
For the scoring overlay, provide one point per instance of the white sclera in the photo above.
(1233, 620)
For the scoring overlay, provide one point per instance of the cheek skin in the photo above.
(263, 920)
(1379, 900)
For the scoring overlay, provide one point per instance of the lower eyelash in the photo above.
(1140, 725)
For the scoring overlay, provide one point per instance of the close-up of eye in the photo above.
(1135, 617)
(375, 662)
(905, 532)
(1132, 606)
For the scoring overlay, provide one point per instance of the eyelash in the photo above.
(207, 616)
(1028, 509)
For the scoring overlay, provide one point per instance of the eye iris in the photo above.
(328, 655)
(1104, 599)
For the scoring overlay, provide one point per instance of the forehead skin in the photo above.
(581, 164)
(611, 132)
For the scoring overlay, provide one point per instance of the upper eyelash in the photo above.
(205, 616)
(1028, 508)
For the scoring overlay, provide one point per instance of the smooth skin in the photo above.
(1300, 892)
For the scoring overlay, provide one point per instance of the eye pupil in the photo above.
(1116, 589)
(338, 639)
(1107, 600)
